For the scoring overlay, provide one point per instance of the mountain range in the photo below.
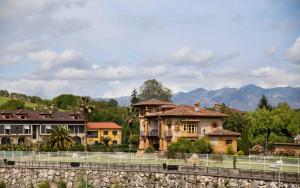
(244, 98)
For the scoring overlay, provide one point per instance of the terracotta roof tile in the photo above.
(103, 125)
(222, 132)
(153, 102)
(188, 111)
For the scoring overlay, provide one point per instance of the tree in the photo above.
(181, 147)
(134, 139)
(152, 89)
(112, 103)
(13, 105)
(66, 101)
(229, 150)
(131, 119)
(202, 145)
(60, 138)
(264, 103)
(134, 99)
(105, 140)
(4, 93)
(86, 109)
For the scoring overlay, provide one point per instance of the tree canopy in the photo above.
(13, 105)
(264, 103)
(66, 101)
(152, 89)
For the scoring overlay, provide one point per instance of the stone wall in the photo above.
(20, 177)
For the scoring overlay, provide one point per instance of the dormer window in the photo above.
(23, 117)
(214, 125)
(7, 116)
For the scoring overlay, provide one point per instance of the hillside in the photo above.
(27, 104)
(244, 98)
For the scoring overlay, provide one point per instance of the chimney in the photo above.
(217, 107)
(197, 106)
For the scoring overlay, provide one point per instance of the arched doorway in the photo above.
(21, 140)
(77, 140)
(5, 140)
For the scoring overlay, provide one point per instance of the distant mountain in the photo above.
(244, 98)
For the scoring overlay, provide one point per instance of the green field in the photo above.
(27, 104)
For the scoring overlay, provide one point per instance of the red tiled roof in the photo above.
(222, 132)
(188, 111)
(103, 125)
(40, 116)
(153, 102)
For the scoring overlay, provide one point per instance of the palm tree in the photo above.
(86, 109)
(131, 117)
(60, 138)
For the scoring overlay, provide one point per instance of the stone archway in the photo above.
(77, 140)
(21, 140)
(5, 141)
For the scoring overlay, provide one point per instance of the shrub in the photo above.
(2, 184)
(234, 160)
(240, 153)
(43, 184)
(76, 147)
(202, 145)
(61, 184)
(83, 184)
(134, 139)
(229, 150)
(181, 146)
(149, 149)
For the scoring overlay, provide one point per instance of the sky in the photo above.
(105, 48)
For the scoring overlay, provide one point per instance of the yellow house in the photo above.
(97, 130)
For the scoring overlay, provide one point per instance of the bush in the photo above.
(61, 184)
(202, 145)
(43, 184)
(229, 150)
(240, 153)
(134, 139)
(181, 146)
(2, 184)
(76, 147)
(149, 149)
(234, 160)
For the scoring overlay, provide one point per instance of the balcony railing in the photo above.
(149, 133)
(168, 134)
(143, 133)
(190, 134)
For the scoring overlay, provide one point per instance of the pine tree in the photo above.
(264, 103)
(134, 99)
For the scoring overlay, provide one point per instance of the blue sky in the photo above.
(105, 48)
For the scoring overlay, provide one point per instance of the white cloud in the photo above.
(9, 59)
(42, 56)
(187, 55)
(271, 51)
(293, 52)
(271, 76)
(39, 87)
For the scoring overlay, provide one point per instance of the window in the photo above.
(115, 133)
(214, 125)
(7, 116)
(7, 131)
(114, 142)
(228, 142)
(203, 131)
(190, 126)
(26, 131)
(92, 134)
(105, 132)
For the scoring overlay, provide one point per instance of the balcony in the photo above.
(168, 134)
(153, 133)
(190, 134)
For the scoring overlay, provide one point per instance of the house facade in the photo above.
(97, 130)
(18, 126)
(162, 123)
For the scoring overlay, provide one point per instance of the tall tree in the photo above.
(86, 109)
(134, 99)
(60, 138)
(66, 101)
(264, 103)
(112, 103)
(152, 89)
(13, 105)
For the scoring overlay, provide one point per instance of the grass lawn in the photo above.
(27, 104)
